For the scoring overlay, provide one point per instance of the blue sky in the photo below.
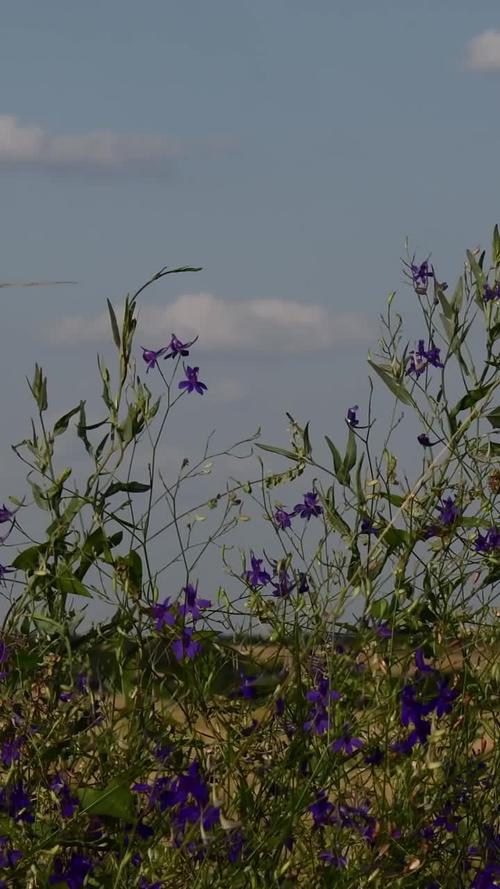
(287, 147)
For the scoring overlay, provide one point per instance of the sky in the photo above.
(288, 148)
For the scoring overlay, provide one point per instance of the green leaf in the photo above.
(48, 624)
(69, 584)
(495, 249)
(62, 423)
(494, 417)
(114, 325)
(82, 427)
(471, 398)
(114, 801)
(476, 270)
(337, 459)
(129, 487)
(350, 454)
(29, 559)
(335, 519)
(282, 451)
(396, 388)
(458, 295)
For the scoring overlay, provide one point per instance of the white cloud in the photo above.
(103, 149)
(483, 52)
(257, 324)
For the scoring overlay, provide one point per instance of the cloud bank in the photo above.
(483, 52)
(23, 145)
(257, 325)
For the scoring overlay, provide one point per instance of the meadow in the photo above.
(329, 715)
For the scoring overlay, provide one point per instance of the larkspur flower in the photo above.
(283, 519)
(491, 293)
(192, 383)
(488, 877)
(3, 571)
(448, 511)
(420, 275)
(346, 743)
(192, 604)
(367, 527)
(320, 699)
(68, 803)
(420, 664)
(421, 357)
(443, 701)
(6, 514)
(333, 859)
(322, 810)
(145, 884)
(177, 349)
(489, 542)
(309, 507)
(384, 630)
(375, 757)
(17, 803)
(77, 869)
(424, 440)
(151, 356)
(351, 415)
(11, 751)
(303, 585)
(163, 615)
(186, 647)
(246, 688)
(9, 857)
(257, 576)
(283, 585)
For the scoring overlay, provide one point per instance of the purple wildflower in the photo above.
(76, 871)
(9, 857)
(384, 630)
(443, 702)
(283, 586)
(375, 757)
(192, 383)
(177, 348)
(6, 514)
(421, 357)
(163, 615)
(283, 519)
(420, 664)
(424, 440)
(367, 527)
(257, 576)
(303, 586)
(448, 511)
(151, 356)
(347, 743)
(488, 877)
(320, 697)
(491, 293)
(247, 688)
(193, 604)
(144, 884)
(3, 572)
(420, 275)
(322, 810)
(489, 542)
(236, 841)
(351, 416)
(333, 859)
(309, 507)
(186, 646)
(11, 751)
(17, 803)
